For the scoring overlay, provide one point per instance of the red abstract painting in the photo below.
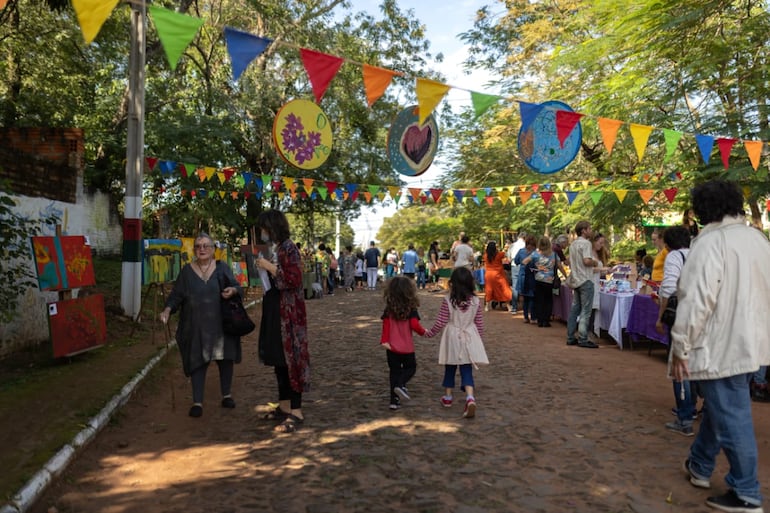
(77, 325)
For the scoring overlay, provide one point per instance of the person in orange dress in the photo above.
(497, 290)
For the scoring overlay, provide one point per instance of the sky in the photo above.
(443, 24)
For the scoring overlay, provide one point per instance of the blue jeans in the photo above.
(727, 425)
(466, 375)
(760, 377)
(420, 279)
(390, 270)
(685, 408)
(514, 288)
(582, 304)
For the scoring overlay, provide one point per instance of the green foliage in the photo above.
(15, 255)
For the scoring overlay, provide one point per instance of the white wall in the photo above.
(91, 217)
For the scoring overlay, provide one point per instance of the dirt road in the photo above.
(557, 429)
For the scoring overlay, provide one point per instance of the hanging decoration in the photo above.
(411, 144)
(302, 134)
(543, 146)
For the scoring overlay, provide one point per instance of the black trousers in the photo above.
(543, 302)
(285, 392)
(402, 368)
(198, 379)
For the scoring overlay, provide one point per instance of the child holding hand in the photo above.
(461, 343)
(399, 320)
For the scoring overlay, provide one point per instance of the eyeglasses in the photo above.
(203, 246)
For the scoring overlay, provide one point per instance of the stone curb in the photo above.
(35, 487)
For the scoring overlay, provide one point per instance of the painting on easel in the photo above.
(77, 325)
(241, 274)
(221, 251)
(249, 253)
(161, 260)
(63, 263)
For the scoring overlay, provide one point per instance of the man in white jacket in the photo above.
(721, 337)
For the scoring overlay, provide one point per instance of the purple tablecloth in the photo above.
(562, 303)
(641, 320)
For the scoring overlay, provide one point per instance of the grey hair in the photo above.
(562, 239)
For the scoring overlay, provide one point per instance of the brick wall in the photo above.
(42, 162)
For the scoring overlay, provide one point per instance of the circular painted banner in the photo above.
(539, 145)
(411, 147)
(302, 134)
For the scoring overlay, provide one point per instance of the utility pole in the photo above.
(131, 279)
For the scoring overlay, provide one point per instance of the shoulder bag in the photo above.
(235, 320)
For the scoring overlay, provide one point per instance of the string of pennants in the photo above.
(268, 186)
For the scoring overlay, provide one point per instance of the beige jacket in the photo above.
(722, 326)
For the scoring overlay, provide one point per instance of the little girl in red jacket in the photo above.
(399, 320)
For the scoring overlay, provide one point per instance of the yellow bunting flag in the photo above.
(394, 191)
(210, 171)
(609, 130)
(221, 194)
(754, 149)
(504, 194)
(221, 176)
(450, 199)
(376, 80)
(91, 15)
(646, 195)
(621, 194)
(640, 134)
(289, 183)
(429, 95)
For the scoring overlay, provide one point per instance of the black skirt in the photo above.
(270, 340)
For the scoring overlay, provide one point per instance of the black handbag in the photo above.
(235, 320)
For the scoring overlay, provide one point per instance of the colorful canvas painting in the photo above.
(249, 253)
(221, 251)
(63, 263)
(161, 260)
(240, 273)
(77, 325)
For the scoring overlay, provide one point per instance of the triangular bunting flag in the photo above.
(754, 149)
(490, 200)
(243, 48)
(221, 194)
(228, 172)
(458, 195)
(331, 186)
(609, 130)
(480, 194)
(670, 194)
(374, 189)
(415, 192)
(323, 191)
(705, 145)
(394, 190)
(234, 195)
(220, 177)
(450, 199)
(175, 31)
(482, 102)
(320, 69)
(429, 95)
(288, 182)
(151, 161)
(672, 139)
(528, 112)
(368, 196)
(209, 171)
(436, 194)
(352, 192)
(571, 195)
(565, 123)
(308, 184)
(166, 167)
(266, 179)
(423, 199)
(91, 15)
(524, 197)
(725, 147)
(247, 176)
(640, 134)
(504, 194)
(187, 169)
(621, 194)
(201, 174)
(546, 195)
(596, 196)
(376, 80)
(646, 195)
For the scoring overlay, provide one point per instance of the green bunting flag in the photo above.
(482, 102)
(672, 139)
(175, 31)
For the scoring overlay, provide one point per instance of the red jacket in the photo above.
(398, 333)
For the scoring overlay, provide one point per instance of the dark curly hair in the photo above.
(400, 297)
(712, 201)
(462, 286)
(491, 251)
(677, 237)
(274, 222)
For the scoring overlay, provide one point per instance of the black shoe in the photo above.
(588, 344)
(228, 402)
(572, 342)
(732, 503)
(196, 410)
(546, 325)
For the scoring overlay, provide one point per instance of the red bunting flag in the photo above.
(436, 193)
(151, 161)
(331, 186)
(321, 69)
(228, 172)
(565, 123)
(546, 195)
(670, 194)
(725, 147)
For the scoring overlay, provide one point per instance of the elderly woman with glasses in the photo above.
(196, 295)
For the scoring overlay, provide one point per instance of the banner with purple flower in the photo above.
(302, 134)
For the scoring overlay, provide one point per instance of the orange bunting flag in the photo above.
(524, 196)
(415, 192)
(670, 194)
(490, 200)
(609, 130)
(308, 184)
(234, 195)
(565, 123)
(754, 149)
(376, 80)
(429, 95)
(646, 195)
(321, 69)
(725, 147)
(535, 187)
(368, 196)
(201, 173)
(621, 194)
(640, 134)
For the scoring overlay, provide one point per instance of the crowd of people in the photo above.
(719, 346)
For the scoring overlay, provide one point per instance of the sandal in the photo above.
(289, 424)
(275, 414)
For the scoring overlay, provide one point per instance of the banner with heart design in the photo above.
(411, 146)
